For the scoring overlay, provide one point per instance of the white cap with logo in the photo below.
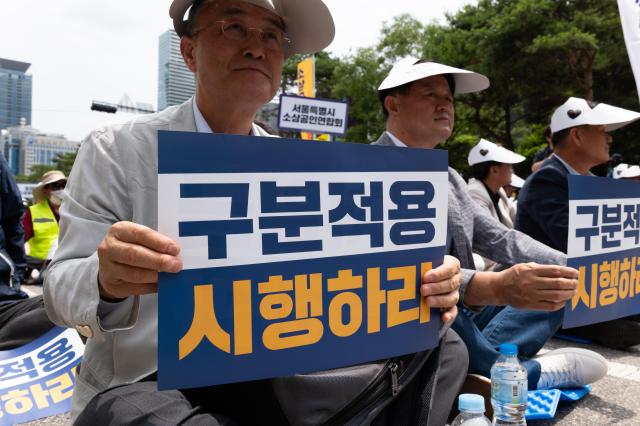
(308, 24)
(578, 112)
(488, 151)
(412, 69)
(626, 171)
(516, 181)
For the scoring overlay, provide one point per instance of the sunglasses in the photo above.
(56, 185)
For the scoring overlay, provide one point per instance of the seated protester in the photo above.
(103, 280)
(491, 168)
(40, 221)
(512, 190)
(581, 141)
(522, 304)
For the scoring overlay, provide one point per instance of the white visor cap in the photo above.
(411, 69)
(516, 181)
(308, 23)
(488, 151)
(578, 112)
(628, 172)
(617, 170)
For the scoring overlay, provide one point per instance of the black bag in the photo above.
(394, 391)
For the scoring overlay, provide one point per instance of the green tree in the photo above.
(63, 161)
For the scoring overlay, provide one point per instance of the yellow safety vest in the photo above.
(45, 229)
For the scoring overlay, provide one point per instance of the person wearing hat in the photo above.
(103, 278)
(40, 221)
(418, 104)
(492, 170)
(580, 134)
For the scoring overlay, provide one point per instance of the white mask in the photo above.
(56, 197)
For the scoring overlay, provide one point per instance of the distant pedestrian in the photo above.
(40, 221)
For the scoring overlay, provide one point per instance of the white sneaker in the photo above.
(570, 367)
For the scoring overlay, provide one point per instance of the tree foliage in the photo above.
(62, 161)
(536, 53)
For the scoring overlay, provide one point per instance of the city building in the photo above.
(23, 147)
(176, 82)
(15, 93)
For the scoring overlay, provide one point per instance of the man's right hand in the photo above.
(536, 287)
(130, 257)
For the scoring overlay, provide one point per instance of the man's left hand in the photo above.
(440, 286)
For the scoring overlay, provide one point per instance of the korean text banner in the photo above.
(298, 256)
(604, 245)
(313, 115)
(37, 379)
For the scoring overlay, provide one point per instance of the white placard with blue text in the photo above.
(314, 115)
(298, 256)
(37, 379)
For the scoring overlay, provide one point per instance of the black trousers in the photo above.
(254, 403)
(22, 322)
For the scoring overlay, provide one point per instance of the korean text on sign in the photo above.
(294, 254)
(604, 245)
(37, 380)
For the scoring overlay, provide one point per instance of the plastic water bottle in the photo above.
(471, 407)
(508, 388)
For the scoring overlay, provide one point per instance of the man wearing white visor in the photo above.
(492, 170)
(417, 101)
(104, 277)
(580, 135)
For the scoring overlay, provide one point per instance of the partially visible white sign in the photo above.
(313, 115)
(26, 189)
(630, 18)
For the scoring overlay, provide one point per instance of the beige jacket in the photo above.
(507, 208)
(113, 179)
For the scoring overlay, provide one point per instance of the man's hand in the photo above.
(536, 287)
(440, 286)
(130, 257)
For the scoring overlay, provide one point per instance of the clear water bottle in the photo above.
(471, 407)
(508, 388)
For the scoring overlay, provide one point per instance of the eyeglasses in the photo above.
(55, 186)
(272, 38)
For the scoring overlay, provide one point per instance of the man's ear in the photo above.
(576, 135)
(186, 48)
(391, 104)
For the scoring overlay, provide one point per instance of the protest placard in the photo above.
(604, 245)
(37, 380)
(298, 256)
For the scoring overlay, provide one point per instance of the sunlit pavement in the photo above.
(613, 400)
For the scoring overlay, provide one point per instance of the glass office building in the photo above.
(176, 83)
(15, 93)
